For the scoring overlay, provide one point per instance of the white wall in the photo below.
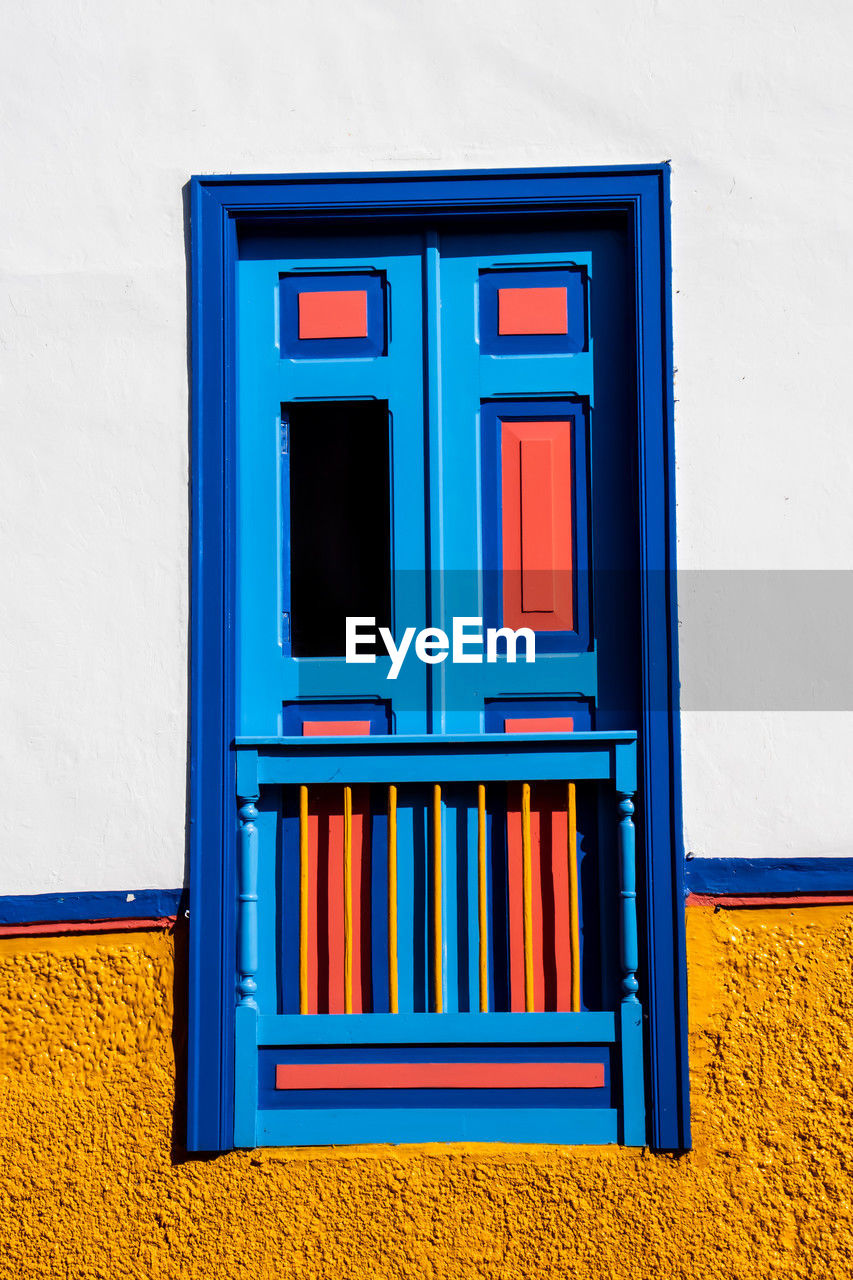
(107, 109)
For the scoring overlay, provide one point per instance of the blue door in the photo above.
(331, 468)
(437, 676)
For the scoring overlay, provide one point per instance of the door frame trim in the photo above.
(218, 205)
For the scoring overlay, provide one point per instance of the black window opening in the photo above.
(340, 521)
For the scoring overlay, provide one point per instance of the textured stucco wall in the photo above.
(105, 111)
(92, 1185)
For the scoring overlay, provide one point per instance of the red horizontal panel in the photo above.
(441, 1075)
(334, 728)
(540, 724)
(543, 310)
(334, 313)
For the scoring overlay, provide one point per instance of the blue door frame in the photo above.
(220, 206)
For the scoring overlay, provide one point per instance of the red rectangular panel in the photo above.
(552, 805)
(334, 841)
(515, 902)
(549, 865)
(537, 526)
(533, 310)
(318, 893)
(361, 975)
(334, 728)
(326, 885)
(536, 493)
(544, 724)
(515, 897)
(326, 993)
(440, 1075)
(334, 313)
(549, 884)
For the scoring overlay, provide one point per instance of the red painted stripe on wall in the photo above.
(536, 498)
(58, 927)
(441, 1075)
(769, 900)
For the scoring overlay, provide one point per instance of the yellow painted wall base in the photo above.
(93, 1183)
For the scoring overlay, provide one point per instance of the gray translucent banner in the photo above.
(749, 640)
(766, 640)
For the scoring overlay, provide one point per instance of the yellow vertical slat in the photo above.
(527, 897)
(393, 991)
(437, 965)
(574, 913)
(303, 899)
(348, 899)
(481, 895)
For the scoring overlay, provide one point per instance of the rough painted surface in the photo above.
(91, 1184)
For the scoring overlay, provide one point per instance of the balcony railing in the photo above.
(551, 761)
(460, 806)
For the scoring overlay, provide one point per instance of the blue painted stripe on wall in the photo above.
(704, 875)
(769, 875)
(115, 904)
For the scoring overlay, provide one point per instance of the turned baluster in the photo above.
(628, 948)
(247, 898)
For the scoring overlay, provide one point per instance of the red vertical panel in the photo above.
(326, 900)
(515, 862)
(515, 898)
(536, 468)
(551, 802)
(361, 983)
(536, 886)
(335, 906)
(326, 885)
(549, 829)
(313, 940)
(536, 503)
(321, 897)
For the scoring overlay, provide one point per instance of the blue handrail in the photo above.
(523, 757)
